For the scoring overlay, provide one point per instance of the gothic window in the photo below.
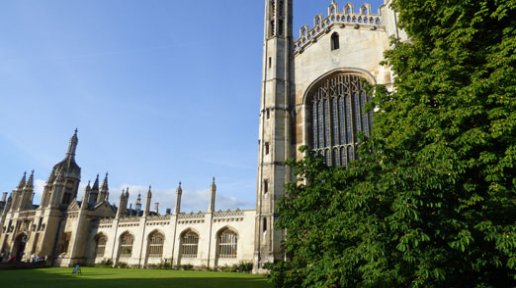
(126, 245)
(101, 241)
(334, 41)
(156, 241)
(337, 114)
(189, 244)
(227, 244)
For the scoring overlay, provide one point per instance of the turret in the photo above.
(70, 175)
(72, 146)
(148, 203)
(27, 193)
(94, 192)
(122, 206)
(275, 135)
(213, 191)
(18, 193)
(86, 197)
(179, 192)
(138, 204)
(104, 190)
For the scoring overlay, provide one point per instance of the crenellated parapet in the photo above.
(228, 212)
(349, 16)
(191, 215)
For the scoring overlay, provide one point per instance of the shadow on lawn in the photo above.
(42, 278)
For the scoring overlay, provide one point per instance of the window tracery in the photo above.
(189, 244)
(126, 245)
(156, 241)
(337, 114)
(227, 244)
(101, 245)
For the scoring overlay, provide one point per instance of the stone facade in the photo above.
(314, 91)
(307, 86)
(66, 231)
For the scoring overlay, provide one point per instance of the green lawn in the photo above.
(128, 278)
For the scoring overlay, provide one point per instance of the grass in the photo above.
(128, 278)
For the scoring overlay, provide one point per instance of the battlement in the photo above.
(347, 17)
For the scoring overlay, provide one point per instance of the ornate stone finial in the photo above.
(23, 180)
(105, 183)
(73, 144)
(179, 190)
(30, 182)
(213, 185)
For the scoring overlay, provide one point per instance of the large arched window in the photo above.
(189, 244)
(126, 244)
(336, 115)
(227, 244)
(156, 241)
(100, 245)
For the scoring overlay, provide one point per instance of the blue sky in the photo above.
(161, 92)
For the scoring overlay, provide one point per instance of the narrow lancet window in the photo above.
(335, 41)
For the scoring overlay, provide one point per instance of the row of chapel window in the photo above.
(227, 241)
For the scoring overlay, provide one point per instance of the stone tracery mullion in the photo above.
(338, 115)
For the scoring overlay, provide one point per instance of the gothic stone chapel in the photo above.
(313, 93)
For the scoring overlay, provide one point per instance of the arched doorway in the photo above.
(19, 246)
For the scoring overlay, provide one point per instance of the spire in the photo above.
(96, 183)
(23, 180)
(179, 192)
(213, 185)
(124, 197)
(105, 183)
(94, 192)
(211, 207)
(73, 145)
(30, 182)
(104, 190)
(148, 203)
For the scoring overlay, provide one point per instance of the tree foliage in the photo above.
(432, 200)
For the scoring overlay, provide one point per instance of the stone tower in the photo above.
(275, 129)
(314, 94)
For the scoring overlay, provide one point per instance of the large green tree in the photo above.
(432, 200)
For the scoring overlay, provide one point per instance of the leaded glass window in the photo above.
(337, 114)
(227, 244)
(156, 241)
(126, 245)
(101, 245)
(189, 244)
